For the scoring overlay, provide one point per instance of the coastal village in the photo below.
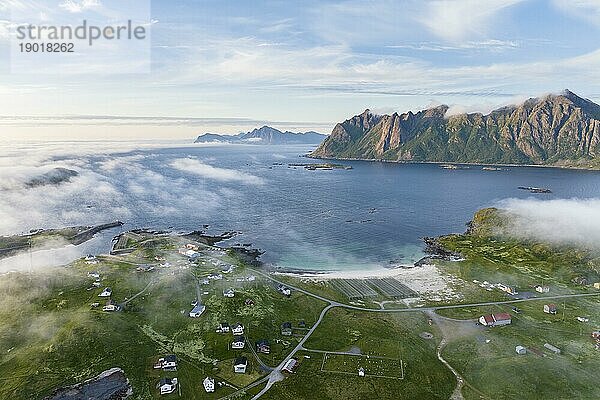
(211, 322)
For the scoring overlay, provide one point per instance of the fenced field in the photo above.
(374, 366)
(356, 289)
(392, 288)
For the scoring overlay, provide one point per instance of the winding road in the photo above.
(276, 375)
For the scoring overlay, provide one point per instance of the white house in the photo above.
(209, 384)
(361, 371)
(508, 289)
(190, 253)
(110, 306)
(290, 365)
(498, 319)
(284, 290)
(215, 277)
(542, 289)
(224, 328)
(521, 350)
(93, 274)
(550, 308)
(240, 365)
(229, 293)
(238, 342)
(170, 363)
(91, 259)
(197, 311)
(237, 329)
(107, 292)
(227, 269)
(167, 385)
(552, 348)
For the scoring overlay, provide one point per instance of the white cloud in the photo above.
(562, 221)
(337, 68)
(197, 167)
(457, 20)
(76, 7)
(585, 9)
(100, 192)
(489, 44)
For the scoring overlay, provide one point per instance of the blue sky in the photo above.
(308, 64)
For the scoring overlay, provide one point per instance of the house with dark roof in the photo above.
(263, 346)
(240, 364)
(167, 385)
(170, 363)
(239, 342)
(197, 311)
(237, 329)
(286, 329)
(284, 290)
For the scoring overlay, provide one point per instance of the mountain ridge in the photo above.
(264, 135)
(556, 130)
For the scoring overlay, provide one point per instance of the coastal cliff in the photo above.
(557, 130)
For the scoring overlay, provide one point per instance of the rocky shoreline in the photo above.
(111, 384)
(15, 244)
(473, 164)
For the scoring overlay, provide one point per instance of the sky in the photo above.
(228, 66)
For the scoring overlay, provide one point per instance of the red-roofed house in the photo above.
(550, 308)
(498, 319)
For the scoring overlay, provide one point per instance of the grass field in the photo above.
(390, 336)
(51, 337)
(376, 367)
(486, 357)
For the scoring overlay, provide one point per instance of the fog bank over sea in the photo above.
(369, 217)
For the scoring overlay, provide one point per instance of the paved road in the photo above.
(258, 359)
(433, 308)
(276, 375)
(123, 304)
(236, 393)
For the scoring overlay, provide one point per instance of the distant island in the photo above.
(55, 176)
(554, 130)
(264, 135)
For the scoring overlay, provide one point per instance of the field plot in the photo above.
(373, 366)
(354, 289)
(392, 288)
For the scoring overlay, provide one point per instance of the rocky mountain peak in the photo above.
(559, 129)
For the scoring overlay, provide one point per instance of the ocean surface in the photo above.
(372, 216)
